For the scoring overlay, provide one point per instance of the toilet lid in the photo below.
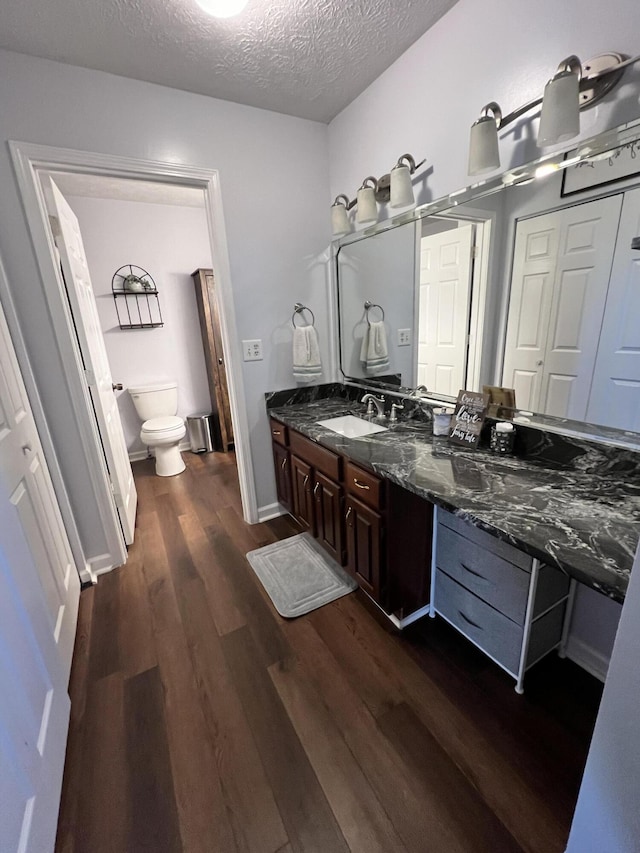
(158, 424)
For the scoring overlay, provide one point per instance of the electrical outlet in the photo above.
(252, 350)
(404, 337)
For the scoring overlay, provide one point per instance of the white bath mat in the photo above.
(299, 575)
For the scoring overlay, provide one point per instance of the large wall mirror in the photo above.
(529, 281)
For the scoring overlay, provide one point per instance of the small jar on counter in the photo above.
(442, 421)
(503, 436)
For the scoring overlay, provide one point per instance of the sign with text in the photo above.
(468, 418)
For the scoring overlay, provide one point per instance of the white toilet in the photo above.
(162, 430)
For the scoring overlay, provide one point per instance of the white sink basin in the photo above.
(351, 426)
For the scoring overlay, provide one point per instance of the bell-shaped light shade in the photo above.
(484, 155)
(367, 210)
(401, 189)
(340, 222)
(560, 116)
(222, 8)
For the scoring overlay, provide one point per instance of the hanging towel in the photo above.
(306, 354)
(374, 352)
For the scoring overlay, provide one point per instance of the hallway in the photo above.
(202, 721)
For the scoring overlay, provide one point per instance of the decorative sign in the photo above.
(623, 162)
(468, 418)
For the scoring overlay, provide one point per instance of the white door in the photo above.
(96, 363)
(39, 590)
(562, 263)
(443, 309)
(615, 391)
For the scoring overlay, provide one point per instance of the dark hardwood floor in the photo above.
(202, 721)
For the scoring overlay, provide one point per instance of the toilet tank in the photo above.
(155, 401)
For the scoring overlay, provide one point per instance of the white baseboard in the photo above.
(138, 455)
(101, 564)
(587, 657)
(269, 511)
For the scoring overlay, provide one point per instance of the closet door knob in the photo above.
(26, 449)
(117, 386)
(220, 361)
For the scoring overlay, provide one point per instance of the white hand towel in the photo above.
(374, 352)
(307, 365)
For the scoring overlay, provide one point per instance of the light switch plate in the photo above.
(404, 337)
(252, 350)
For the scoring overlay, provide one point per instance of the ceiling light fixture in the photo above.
(573, 87)
(222, 8)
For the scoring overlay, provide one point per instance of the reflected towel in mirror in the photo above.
(374, 352)
(307, 364)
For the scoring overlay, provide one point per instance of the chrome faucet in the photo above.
(419, 391)
(395, 408)
(377, 401)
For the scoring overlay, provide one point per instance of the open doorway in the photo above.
(31, 161)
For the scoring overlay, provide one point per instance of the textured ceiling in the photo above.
(308, 58)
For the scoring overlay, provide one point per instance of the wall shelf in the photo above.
(136, 298)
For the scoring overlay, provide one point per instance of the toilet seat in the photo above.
(162, 424)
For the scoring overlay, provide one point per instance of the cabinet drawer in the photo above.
(486, 540)
(494, 580)
(364, 485)
(279, 432)
(493, 632)
(318, 457)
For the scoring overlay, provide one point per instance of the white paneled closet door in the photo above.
(39, 590)
(615, 392)
(562, 263)
(443, 310)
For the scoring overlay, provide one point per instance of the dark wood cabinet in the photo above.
(364, 551)
(282, 465)
(302, 486)
(380, 532)
(328, 500)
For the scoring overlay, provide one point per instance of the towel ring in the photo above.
(368, 306)
(298, 308)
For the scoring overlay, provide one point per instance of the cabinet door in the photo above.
(282, 463)
(364, 550)
(328, 516)
(302, 493)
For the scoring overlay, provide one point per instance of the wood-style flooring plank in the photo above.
(153, 816)
(134, 626)
(103, 808)
(178, 556)
(530, 819)
(249, 800)
(389, 777)
(307, 816)
(362, 818)
(204, 824)
(222, 600)
(447, 794)
(105, 656)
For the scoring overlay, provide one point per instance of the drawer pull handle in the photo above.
(315, 489)
(284, 463)
(276, 432)
(361, 485)
(475, 574)
(470, 621)
(306, 480)
(346, 518)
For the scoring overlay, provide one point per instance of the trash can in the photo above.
(199, 428)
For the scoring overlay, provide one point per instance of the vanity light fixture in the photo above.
(394, 187)
(573, 87)
(340, 222)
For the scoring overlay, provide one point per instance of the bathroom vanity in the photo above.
(493, 545)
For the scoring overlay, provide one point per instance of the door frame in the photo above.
(28, 160)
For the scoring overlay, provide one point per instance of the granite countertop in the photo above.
(586, 523)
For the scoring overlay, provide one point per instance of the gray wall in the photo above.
(274, 180)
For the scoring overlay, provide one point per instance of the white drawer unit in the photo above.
(508, 604)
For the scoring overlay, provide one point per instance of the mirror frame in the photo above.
(599, 144)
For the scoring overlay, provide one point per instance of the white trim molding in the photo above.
(28, 160)
(269, 511)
